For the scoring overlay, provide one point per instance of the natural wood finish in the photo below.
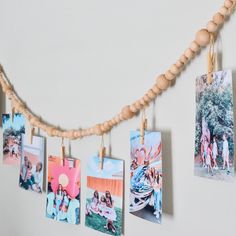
(202, 37)
(163, 81)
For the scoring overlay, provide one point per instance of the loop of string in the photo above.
(211, 59)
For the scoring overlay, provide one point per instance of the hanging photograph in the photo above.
(104, 200)
(63, 191)
(32, 164)
(12, 130)
(146, 176)
(214, 129)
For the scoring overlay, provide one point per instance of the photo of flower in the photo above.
(63, 191)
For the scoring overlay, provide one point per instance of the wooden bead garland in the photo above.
(202, 37)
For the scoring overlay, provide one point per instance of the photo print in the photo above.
(12, 131)
(32, 164)
(146, 176)
(104, 202)
(214, 128)
(63, 191)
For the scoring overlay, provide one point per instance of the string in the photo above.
(211, 58)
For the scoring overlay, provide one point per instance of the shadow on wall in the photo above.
(168, 203)
(2, 105)
(234, 106)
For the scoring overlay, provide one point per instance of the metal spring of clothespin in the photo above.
(211, 59)
(102, 154)
(143, 126)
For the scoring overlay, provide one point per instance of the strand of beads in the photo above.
(163, 81)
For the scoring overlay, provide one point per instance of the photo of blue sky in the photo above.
(110, 167)
(18, 122)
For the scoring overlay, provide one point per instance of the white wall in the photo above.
(76, 63)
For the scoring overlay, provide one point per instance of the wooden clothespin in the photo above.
(13, 111)
(143, 127)
(63, 149)
(32, 132)
(102, 154)
(211, 59)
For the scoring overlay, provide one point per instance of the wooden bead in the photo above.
(20, 107)
(218, 18)
(50, 130)
(34, 120)
(212, 26)
(228, 3)
(174, 69)
(224, 11)
(54, 132)
(79, 134)
(6, 87)
(86, 132)
(138, 105)
(146, 99)
(151, 94)
(194, 46)
(156, 90)
(169, 75)
(121, 117)
(162, 83)
(127, 113)
(107, 125)
(202, 37)
(112, 122)
(117, 119)
(97, 129)
(143, 102)
(133, 108)
(179, 64)
(184, 59)
(189, 53)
